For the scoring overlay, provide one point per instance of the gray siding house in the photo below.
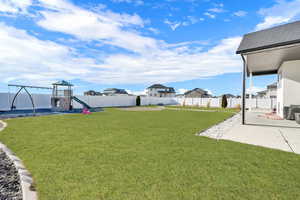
(197, 93)
(159, 90)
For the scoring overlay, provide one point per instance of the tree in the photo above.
(138, 101)
(224, 101)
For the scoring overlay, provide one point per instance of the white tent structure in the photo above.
(274, 51)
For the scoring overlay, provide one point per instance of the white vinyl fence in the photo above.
(44, 101)
(105, 101)
(23, 101)
(263, 103)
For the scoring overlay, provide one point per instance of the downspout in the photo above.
(250, 97)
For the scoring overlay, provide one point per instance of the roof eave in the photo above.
(268, 47)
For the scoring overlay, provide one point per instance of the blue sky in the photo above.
(131, 44)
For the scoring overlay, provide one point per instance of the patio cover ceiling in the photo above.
(265, 51)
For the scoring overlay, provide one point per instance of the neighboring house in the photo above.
(271, 92)
(158, 90)
(262, 94)
(115, 92)
(179, 95)
(228, 95)
(197, 93)
(92, 93)
(248, 96)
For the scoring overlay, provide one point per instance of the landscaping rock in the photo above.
(10, 188)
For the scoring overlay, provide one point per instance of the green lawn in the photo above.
(122, 155)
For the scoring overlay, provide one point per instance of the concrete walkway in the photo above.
(276, 134)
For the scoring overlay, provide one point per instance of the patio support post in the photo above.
(250, 91)
(244, 90)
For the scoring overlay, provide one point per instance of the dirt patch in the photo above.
(158, 108)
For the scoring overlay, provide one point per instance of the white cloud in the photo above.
(194, 20)
(27, 58)
(104, 26)
(189, 20)
(219, 5)
(216, 10)
(169, 65)
(271, 21)
(282, 12)
(135, 2)
(210, 15)
(240, 13)
(173, 25)
(154, 30)
(14, 6)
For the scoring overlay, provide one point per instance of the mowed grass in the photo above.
(122, 155)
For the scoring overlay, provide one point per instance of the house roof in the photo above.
(283, 35)
(196, 90)
(115, 91)
(157, 86)
(262, 92)
(228, 95)
(273, 85)
(265, 51)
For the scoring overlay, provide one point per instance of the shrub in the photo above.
(138, 101)
(224, 101)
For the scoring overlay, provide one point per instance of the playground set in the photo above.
(61, 101)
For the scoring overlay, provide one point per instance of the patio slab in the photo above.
(277, 134)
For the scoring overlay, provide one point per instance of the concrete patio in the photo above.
(258, 130)
(261, 131)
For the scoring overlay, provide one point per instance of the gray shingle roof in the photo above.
(197, 90)
(157, 86)
(286, 34)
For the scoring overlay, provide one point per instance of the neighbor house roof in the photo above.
(196, 90)
(283, 35)
(273, 85)
(157, 86)
(229, 95)
(262, 92)
(115, 91)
